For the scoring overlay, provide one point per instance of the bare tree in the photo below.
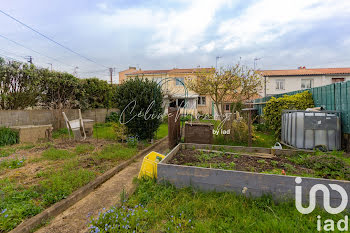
(232, 82)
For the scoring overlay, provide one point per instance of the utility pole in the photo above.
(217, 58)
(111, 73)
(29, 59)
(255, 61)
(50, 65)
(75, 73)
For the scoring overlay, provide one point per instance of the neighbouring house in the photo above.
(176, 94)
(282, 81)
(128, 71)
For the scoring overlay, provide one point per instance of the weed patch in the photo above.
(84, 148)
(56, 154)
(188, 210)
(116, 152)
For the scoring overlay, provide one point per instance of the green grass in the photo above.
(16, 204)
(56, 154)
(104, 131)
(8, 136)
(60, 133)
(57, 185)
(116, 152)
(168, 209)
(7, 151)
(12, 163)
(19, 202)
(65, 173)
(162, 131)
(84, 148)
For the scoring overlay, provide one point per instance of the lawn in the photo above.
(104, 131)
(163, 208)
(162, 131)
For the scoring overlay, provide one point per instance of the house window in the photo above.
(336, 80)
(201, 100)
(180, 81)
(158, 80)
(307, 83)
(181, 103)
(227, 107)
(280, 84)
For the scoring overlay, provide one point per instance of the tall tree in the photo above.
(60, 90)
(97, 93)
(232, 82)
(18, 85)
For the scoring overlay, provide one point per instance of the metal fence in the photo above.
(335, 96)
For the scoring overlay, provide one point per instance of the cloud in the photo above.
(268, 20)
(184, 29)
(209, 46)
(102, 6)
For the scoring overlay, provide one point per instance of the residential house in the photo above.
(282, 81)
(174, 87)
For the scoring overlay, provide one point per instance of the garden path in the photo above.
(75, 218)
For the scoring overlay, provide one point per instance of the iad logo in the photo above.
(326, 198)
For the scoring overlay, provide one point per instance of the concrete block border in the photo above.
(77, 195)
(253, 184)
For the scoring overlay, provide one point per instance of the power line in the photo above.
(5, 51)
(51, 39)
(33, 50)
(11, 58)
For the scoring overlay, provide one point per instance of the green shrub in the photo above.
(274, 107)
(120, 131)
(8, 136)
(187, 117)
(113, 117)
(140, 100)
(239, 131)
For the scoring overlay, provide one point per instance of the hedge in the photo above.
(274, 107)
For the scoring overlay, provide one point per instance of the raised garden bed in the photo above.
(244, 170)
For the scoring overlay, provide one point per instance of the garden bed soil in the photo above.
(252, 162)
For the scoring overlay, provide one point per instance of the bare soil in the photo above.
(239, 162)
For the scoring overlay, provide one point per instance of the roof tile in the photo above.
(304, 71)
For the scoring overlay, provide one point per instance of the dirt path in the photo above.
(75, 219)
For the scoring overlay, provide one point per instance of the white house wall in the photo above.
(293, 83)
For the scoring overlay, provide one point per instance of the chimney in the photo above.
(132, 68)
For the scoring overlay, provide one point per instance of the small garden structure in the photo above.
(244, 170)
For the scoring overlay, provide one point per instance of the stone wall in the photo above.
(46, 116)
